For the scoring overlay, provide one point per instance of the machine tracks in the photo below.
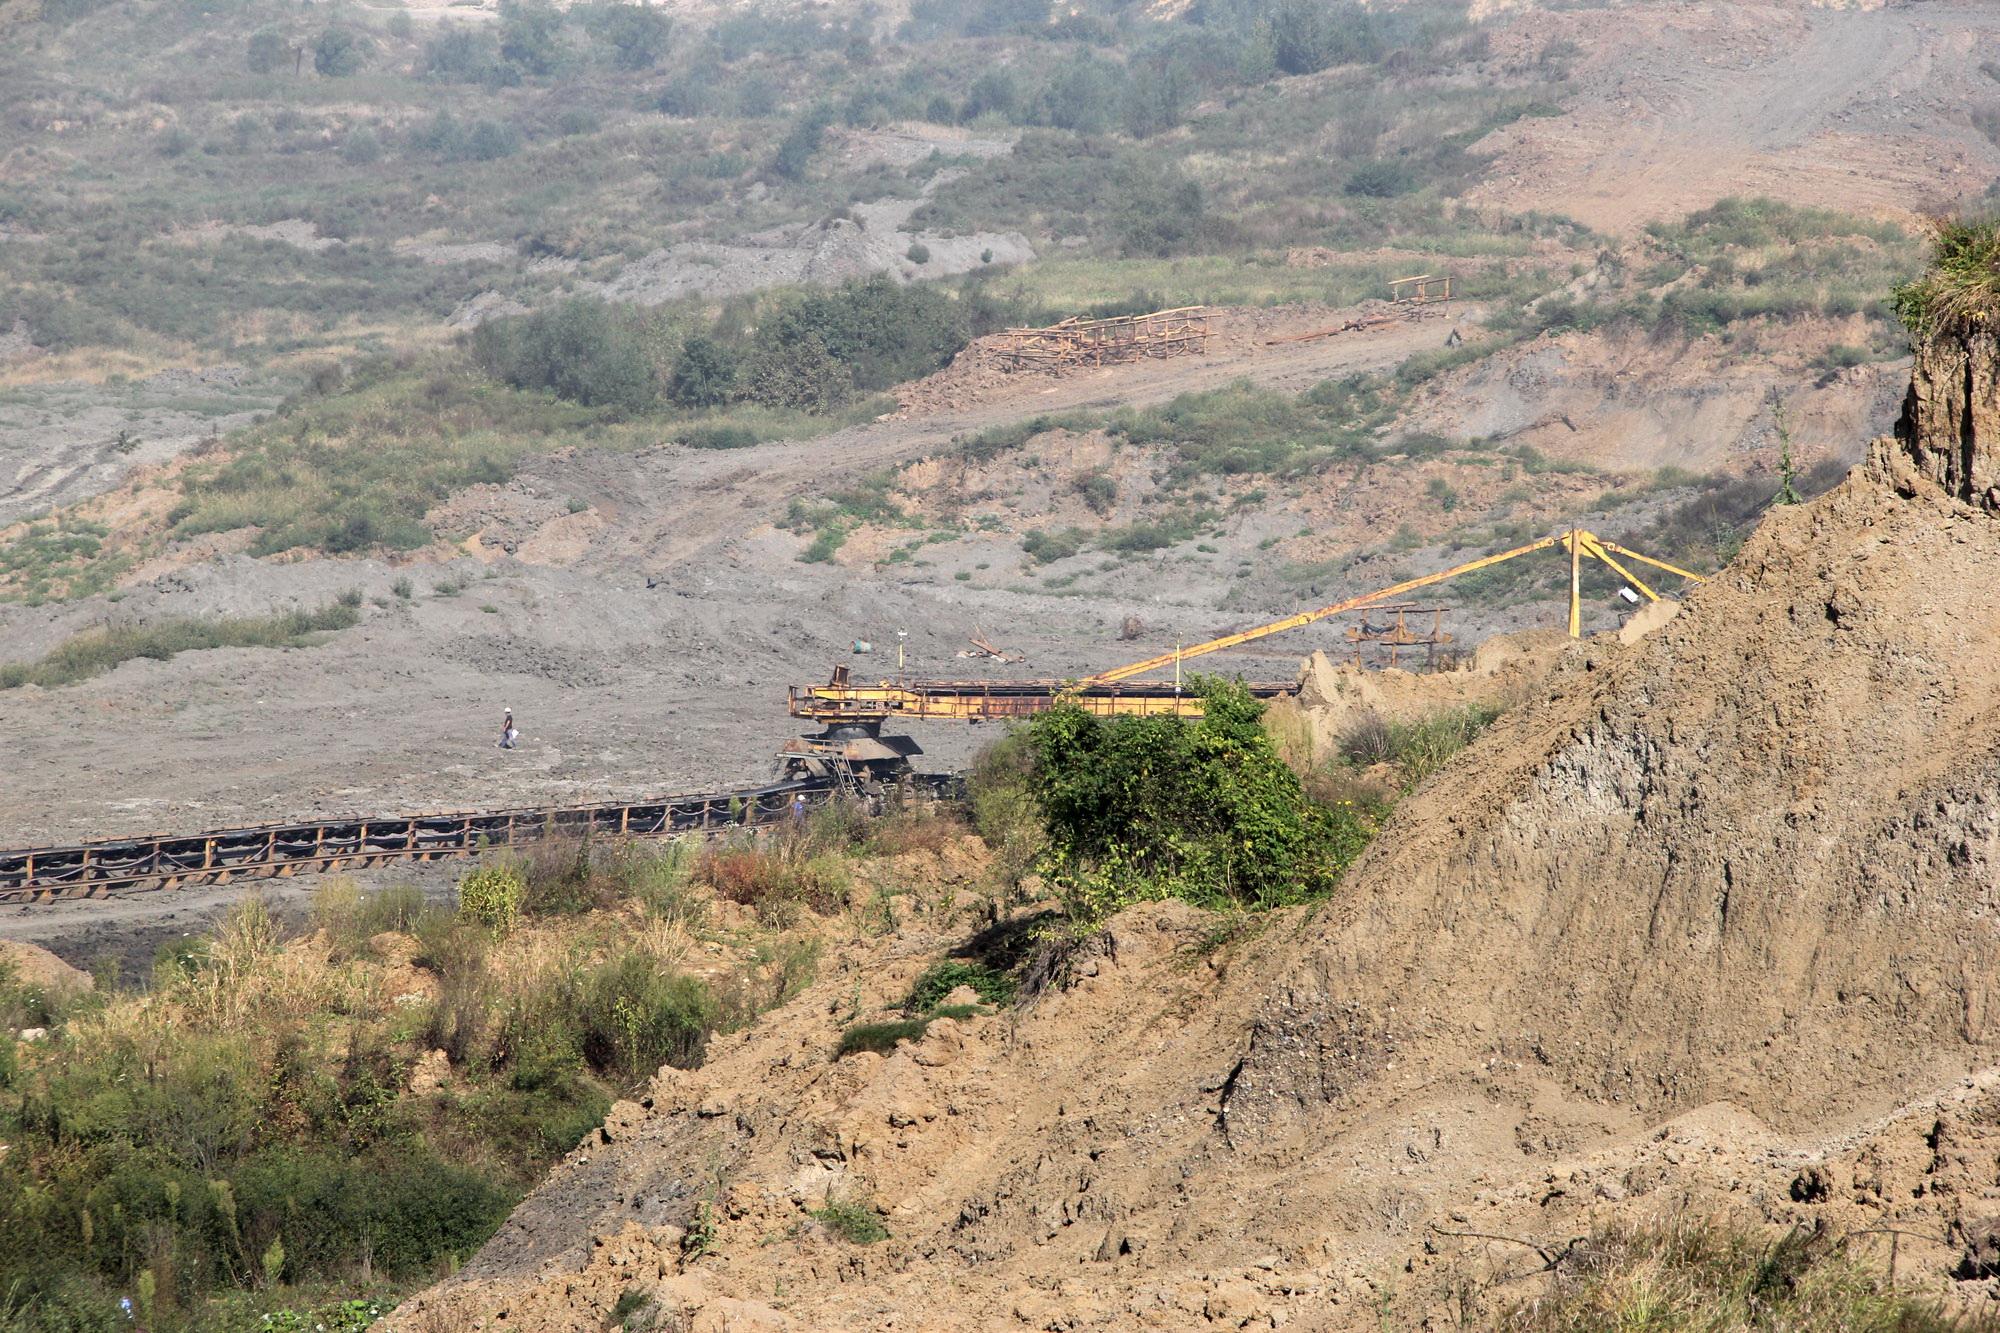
(146, 862)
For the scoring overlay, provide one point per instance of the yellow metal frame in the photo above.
(979, 700)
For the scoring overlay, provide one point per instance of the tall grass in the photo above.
(1961, 287)
(1692, 1274)
(96, 652)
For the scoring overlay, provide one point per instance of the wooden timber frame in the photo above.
(1100, 342)
(1418, 293)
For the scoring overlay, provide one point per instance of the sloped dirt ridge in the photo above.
(1715, 910)
(1755, 859)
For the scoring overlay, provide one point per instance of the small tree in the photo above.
(801, 143)
(636, 33)
(338, 52)
(268, 52)
(704, 374)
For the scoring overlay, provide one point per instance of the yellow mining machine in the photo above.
(852, 713)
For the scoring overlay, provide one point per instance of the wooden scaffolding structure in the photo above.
(1100, 342)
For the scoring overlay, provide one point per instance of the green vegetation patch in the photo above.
(941, 979)
(855, 1223)
(98, 651)
(1692, 1274)
(1148, 808)
(880, 1037)
(1418, 747)
(1961, 286)
(59, 559)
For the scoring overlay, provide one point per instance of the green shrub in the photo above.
(855, 1223)
(801, 143)
(638, 1015)
(941, 979)
(492, 896)
(1961, 286)
(880, 1037)
(720, 437)
(268, 52)
(582, 350)
(338, 52)
(1158, 807)
(1421, 746)
(1045, 548)
(704, 374)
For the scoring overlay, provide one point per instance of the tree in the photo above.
(800, 373)
(636, 33)
(801, 143)
(268, 52)
(704, 374)
(1081, 96)
(531, 38)
(338, 52)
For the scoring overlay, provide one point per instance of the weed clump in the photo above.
(491, 895)
(1694, 1274)
(855, 1223)
(1961, 288)
(880, 1037)
(940, 980)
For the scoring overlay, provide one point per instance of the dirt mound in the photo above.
(1333, 696)
(1737, 861)
(36, 968)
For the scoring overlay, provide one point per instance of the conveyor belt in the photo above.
(170, 860)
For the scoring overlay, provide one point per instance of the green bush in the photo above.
(338, 52)
(1046, 548)
(492, 895)
(1420, 746)
(801, 143)
(941, 979)
(1157, 807)
(638, 1015)
(268, 52)
(1961, 286)
(855, 1223)
(704, 374)
(582, 350)
(721, 437)
(880, 1037)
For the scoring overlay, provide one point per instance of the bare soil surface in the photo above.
(653, 658)
(66, 441)
(1858, 108)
